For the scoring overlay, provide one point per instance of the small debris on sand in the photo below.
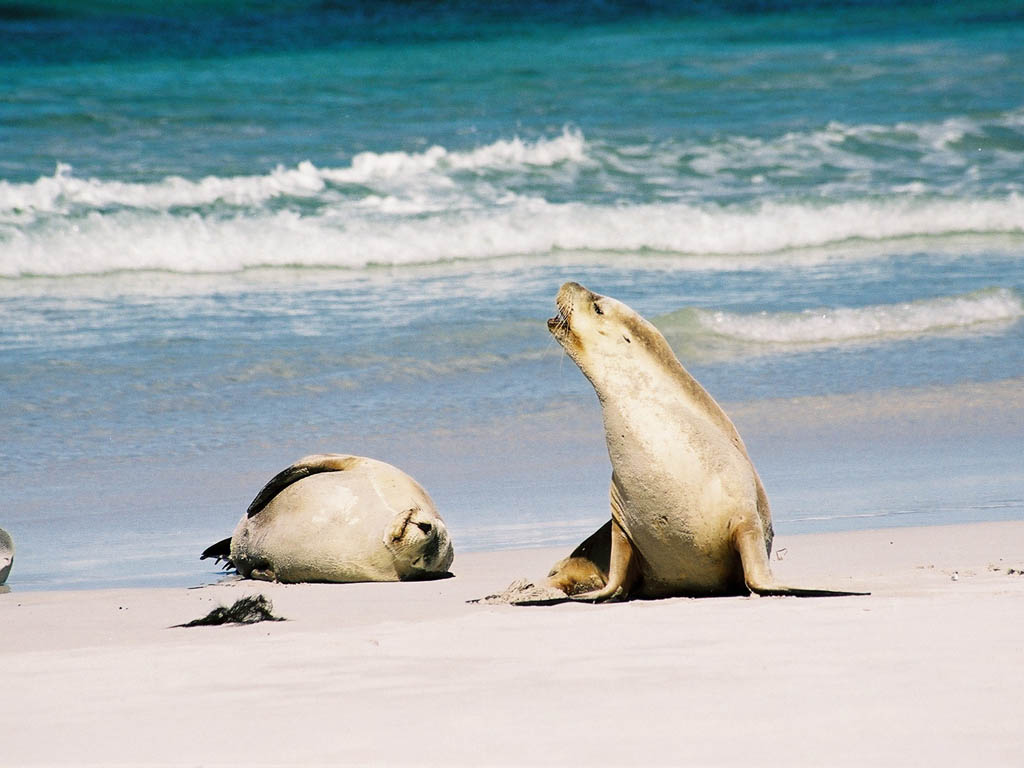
(524, 592)
(247, 610)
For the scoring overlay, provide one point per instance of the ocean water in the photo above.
(232, 234)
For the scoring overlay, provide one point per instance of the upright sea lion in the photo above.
(339, 518)
(689, 513)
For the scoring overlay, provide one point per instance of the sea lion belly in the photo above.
(326, 526)
(339, 518)
(680, 485)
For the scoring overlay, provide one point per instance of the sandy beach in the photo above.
(235, 234)
(928, 670)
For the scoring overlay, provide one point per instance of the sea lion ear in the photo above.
(628, 340)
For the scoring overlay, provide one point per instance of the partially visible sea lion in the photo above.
(689, 513)
(339, 518)
(6, 557)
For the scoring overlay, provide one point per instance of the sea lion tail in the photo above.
(219, 551)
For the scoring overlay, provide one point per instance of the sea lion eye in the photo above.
(598, 309)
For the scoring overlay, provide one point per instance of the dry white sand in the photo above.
(928, 670)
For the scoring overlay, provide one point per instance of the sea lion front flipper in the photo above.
(621, 570)
(623, 560)
(748, 538)
(304, 467)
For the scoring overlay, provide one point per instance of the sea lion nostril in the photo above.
(425, 527)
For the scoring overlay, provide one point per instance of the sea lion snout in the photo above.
(571, 299)
(419, 543)
(559, 324)
(572, 295)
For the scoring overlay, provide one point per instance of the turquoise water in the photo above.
(232, 234)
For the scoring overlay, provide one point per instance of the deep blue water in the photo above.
(235, 233)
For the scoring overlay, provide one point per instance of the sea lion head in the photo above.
(603, 336)
(419, 543)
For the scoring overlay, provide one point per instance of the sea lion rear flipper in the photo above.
(219, 551)
(310, 465)
(748, 539)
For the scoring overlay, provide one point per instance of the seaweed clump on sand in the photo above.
(247, 610)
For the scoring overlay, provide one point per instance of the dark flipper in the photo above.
(311, 465)
(777, 590)
(597, 547)
(221, 552)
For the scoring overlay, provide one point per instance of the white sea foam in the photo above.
(63, 191)
(441, 205)
(845, 157)
(352, 236)
(369, 166)
(839, 324)
(854, 160)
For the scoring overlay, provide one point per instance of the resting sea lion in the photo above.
(689, 513)
(6, 556)
(339, 518)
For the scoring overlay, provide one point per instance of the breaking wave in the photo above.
(840, 324)
(64, 192)
(192, 242)
(508, 198)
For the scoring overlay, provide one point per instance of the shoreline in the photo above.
(920, 456)
(926, 670)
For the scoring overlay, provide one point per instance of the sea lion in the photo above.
(689, 513)
(339, 518)
(6, 557)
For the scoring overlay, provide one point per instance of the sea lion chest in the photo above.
(677, 480)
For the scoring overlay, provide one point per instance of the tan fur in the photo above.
(339, 518)
(576, 575)
(689, 513)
